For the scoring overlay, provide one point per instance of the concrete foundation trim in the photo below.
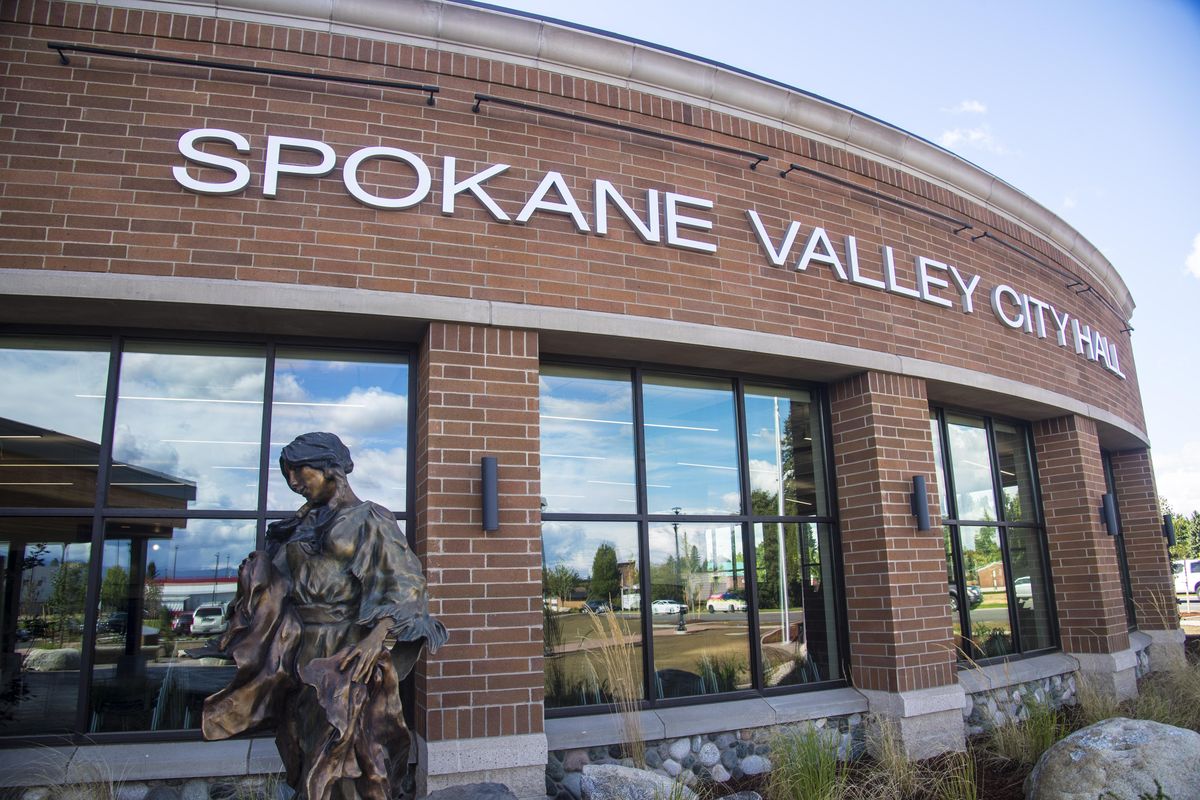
(566, 733)
(519, 762)
(1113, 673)
(1165, 647)
(928, 721)
(1010, 673)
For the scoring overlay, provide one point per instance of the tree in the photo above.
(1187, 533)
(606, 577)
(114, 591)
(561, 582)
(987, 549)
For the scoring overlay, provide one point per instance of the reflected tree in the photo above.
(606, 576)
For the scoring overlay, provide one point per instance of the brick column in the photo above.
(1083, 559)
(901, 640)
(479, 699)
(1146, 555)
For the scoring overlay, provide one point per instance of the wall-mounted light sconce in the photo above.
(1108, 513)
(920, 503)
(491, 493)
(1169, 529)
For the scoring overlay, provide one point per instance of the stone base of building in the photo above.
(1113, 674)
(929, 722)
(1166, 649)
(519, 762)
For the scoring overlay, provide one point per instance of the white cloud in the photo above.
(1069, 202)
(968, 107)
(1193, 260)
(1177, 475)
(979, 138)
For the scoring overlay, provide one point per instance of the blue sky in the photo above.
(1090, 108)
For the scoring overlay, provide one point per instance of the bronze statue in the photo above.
(326, 623)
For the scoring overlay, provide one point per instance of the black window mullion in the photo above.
(264, 448)
(96, 556)
(748, 553)
(647, 616)
(960, 577)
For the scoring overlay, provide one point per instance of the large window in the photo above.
(995, 545)
(687, 539)
(135, 475)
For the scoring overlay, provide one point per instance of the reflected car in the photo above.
(182, 624)
(726, 601)
(1023, 589)
(113, 623)
(596, 607)
(209, 619)
(974, 597)
(667, 607)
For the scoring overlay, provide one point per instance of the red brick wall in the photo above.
(478, 396)
(1145, 547)
(1083, 560)
(86, 152)
(897, 604)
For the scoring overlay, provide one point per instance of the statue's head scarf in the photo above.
(318, 450)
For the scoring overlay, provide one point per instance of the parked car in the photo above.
(209, 619)
(182, 624)
(113, 623)
(596, 607)
(727, 602)
(1023, 588)
(667, 607)
(974, 597)
(1187, 576)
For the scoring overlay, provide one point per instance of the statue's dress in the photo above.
(325, 580)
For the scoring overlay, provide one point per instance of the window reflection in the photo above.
(189, 423)
(43, 585)
(165, 590)
(363, 398)
(983, 569)
(971, 462)
(50, 425)
(691, 446)
(779, 429)
(795, 603)
(1030, 589)
(700, 565)
(1016, 477)
(587, 440)
(591, 613)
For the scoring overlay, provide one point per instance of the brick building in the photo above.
(717, 332)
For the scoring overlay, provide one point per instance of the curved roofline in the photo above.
(490, 31)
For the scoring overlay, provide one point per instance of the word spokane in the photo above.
(665, 222)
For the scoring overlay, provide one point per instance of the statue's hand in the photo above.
(363, 656)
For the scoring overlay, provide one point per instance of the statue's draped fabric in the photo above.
(329, 574)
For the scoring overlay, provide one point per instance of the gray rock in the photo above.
(1120, 756)
(672, 767)
(573, 783)
(36, 793)
(680, 748)
(719, 774)
(195, 790)
(132, 791)
(162, 792)
(726, 740)
(554, 770)
(473, 791)
(563, 794)
(755, 765)
(744, 749)
(222, 791)
(653, 759)
(697, 743)
(576, 760)
(66, 658)
(689, 761)
(729, 759)
(551, 787)
(609, 782)
(709, 754)
(747, 795)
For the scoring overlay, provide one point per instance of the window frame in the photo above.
(101, 513)
(1118, 538)
(744, 521)
(938, 415)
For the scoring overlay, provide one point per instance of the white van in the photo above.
(210, 618)
(1187, 576)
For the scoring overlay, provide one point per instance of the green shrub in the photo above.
(805, 766)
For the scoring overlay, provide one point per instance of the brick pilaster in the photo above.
(897, 603)
(1083, 560)
(1145, 547)
(478, 395)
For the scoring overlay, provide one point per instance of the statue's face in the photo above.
(316, 487)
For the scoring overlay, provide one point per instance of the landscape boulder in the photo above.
(66, 658)
(1121, 758)
(474, 791)
(614, 782)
